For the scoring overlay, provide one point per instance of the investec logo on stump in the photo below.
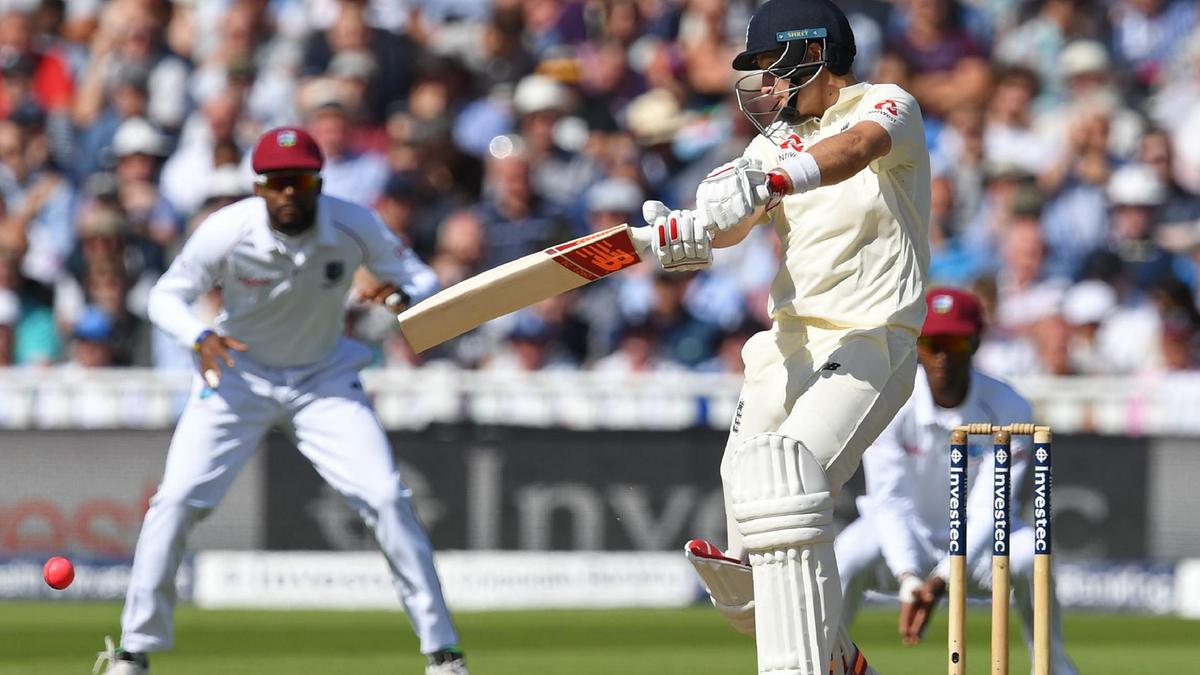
(1000, 493)
(1041, 499)
(958, 488)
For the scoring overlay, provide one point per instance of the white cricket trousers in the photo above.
(833, 389)
(325, 408)
(860, 558)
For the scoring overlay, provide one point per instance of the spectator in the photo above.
(1087, 71)
(532, 343)
(30, 75)
(1038, 42)
(1025, 292)
(355, 176)
(1136, 194)
(1085, 308)
(10, 316)
(637, 351)
(1077, 216)
(1155, 152)
(207, 131)
(395, 54)
(37, 201)
(541, 105)
(610, 202)
(139, 150)
(408, 210)
(960, 158)
(1147, 32)
(728, 357)
(684, 338)
(128, 38)
(91, 344)
(1009, 137)
(126, 97)
(517, 220)
(949, 64)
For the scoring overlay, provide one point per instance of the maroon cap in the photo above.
(286, 149)
(952, 311)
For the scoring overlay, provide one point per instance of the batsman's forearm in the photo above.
(843, 155)
(735, 235)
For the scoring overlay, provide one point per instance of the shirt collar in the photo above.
(266, 242)
(847, 99)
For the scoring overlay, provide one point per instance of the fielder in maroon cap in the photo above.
(288, 163)
(902, 522)
(278, 355)
(949, 339)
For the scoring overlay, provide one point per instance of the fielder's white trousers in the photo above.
(324, 407)
(860, 561)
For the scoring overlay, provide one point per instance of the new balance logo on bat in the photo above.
(598, 257)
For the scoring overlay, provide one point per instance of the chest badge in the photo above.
(334, 271)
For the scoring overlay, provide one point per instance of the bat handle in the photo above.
(643, 238)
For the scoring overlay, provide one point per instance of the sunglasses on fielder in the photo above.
(950, 344)
(299, 181)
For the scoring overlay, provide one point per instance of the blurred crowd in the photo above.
(1065, 176)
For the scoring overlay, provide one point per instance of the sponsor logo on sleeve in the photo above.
(888, 107)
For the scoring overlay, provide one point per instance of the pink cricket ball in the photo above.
(58, 572)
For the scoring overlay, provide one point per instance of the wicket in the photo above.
(1002, 494)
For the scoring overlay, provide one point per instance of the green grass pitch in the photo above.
(60, 638)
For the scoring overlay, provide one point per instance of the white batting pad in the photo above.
(781, 501)
(729, 583)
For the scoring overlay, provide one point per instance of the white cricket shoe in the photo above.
(116, 662)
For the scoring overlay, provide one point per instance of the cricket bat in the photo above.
(521, 283)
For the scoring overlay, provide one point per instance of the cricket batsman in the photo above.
(903, 520)
(840, 169)
(284, 261)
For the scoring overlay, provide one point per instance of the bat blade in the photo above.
(521, 283)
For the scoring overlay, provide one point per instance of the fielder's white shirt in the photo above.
(908, 471)
(855, 254)
(285, 299)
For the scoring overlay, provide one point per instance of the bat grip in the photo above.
(643, 238)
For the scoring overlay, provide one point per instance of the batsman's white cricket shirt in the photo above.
(908, 471)
(855, 254)
(286, 299)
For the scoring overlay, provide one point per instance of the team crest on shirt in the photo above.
(942, 304)
(286, 138)
(333, 272)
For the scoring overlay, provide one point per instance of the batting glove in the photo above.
(680, 239)
(732, 192)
